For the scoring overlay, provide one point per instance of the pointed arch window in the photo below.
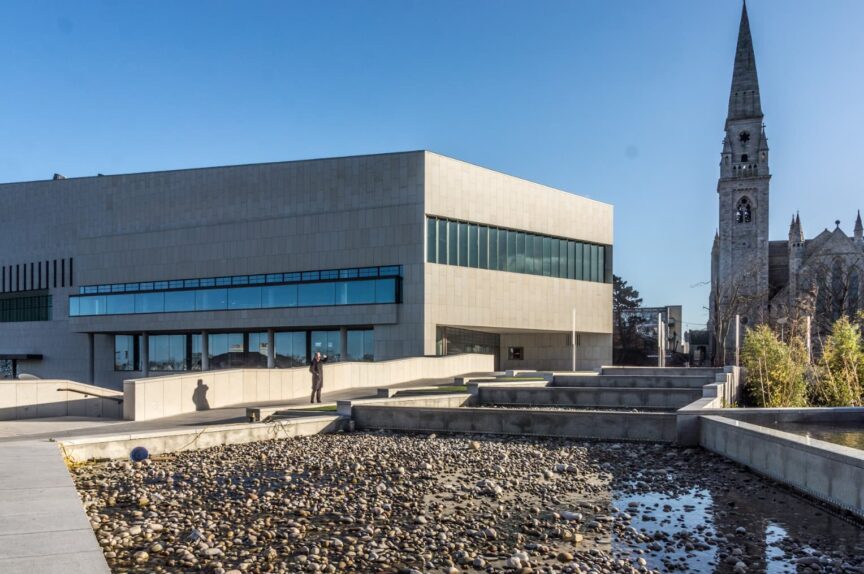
(743, 211)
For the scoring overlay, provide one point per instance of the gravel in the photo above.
(389, 502)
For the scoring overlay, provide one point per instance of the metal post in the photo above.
(271, 348)
(809, 339)
(574, 339)
(737, 340)
(659, 340)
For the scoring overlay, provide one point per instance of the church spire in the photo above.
(859, 228)
(744, 99)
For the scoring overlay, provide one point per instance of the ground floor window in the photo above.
(326, 343)
(126, 353)
(291, 350)
(456, 341)
(5, 369)
(184, 351)
(227, 351)
(361, 345)
(167, 353)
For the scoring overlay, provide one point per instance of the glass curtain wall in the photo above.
(485, 247)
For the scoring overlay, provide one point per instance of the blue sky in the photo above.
(622, 101)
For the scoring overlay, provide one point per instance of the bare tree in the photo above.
(736, 297)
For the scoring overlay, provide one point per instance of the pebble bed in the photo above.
(390, 502)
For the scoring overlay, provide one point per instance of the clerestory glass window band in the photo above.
(296, 277)
(467, 244)
(371, 291)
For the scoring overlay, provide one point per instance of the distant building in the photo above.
(752, 277)
(363, 258)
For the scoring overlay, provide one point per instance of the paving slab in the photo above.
(43, 526)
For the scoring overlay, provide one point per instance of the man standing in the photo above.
(317, 370)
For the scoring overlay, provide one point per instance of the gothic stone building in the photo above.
(751, 276)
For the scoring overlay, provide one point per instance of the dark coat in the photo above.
(317, 370)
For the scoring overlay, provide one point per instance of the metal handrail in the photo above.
(118, 399)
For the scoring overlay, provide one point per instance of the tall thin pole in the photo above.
(659, 340)
(737, 339)
(574, 339)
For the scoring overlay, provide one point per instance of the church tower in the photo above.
(741, 282)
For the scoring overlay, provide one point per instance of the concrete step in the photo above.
(665, 371)
(590, 397)
(633, 381)
(601, 425)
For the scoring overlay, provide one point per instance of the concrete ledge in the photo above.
(475, 387)
(599, 425)
(431, 400)
(596, 397)
(160, 442)
(829, 472)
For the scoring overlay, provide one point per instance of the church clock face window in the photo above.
(743, 212)
(744, 137)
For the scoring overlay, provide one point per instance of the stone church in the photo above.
(751, 276)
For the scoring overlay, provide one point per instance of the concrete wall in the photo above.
(829, 472)
(514, 304)
(158, 397)
(57, 398)
(606, 425)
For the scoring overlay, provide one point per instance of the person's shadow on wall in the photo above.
(199, 397)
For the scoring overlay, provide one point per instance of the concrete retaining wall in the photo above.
(57, 398)
(829, 472)
(158, 397)
(659, 427)
(161, 442)
(589, 397)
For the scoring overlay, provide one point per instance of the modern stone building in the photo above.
(755, 278)
(364, 258)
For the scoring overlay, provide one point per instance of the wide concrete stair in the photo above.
(619, 403)
(664, 371)
(633, 381)
(664, 399)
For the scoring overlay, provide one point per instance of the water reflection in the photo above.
(747, 520)
(844, 434)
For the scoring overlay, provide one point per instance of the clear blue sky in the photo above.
(622, 101)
